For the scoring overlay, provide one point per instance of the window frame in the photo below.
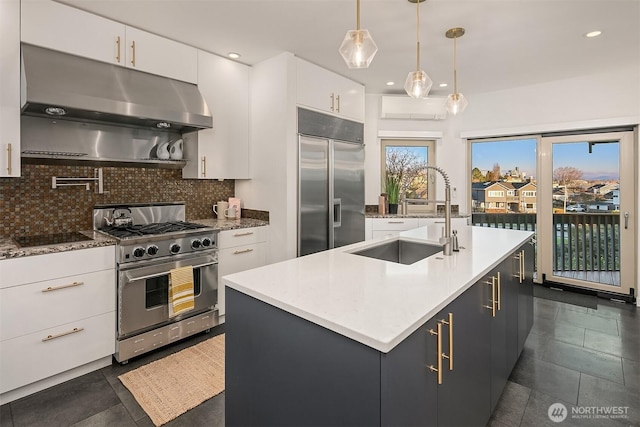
(430, 145)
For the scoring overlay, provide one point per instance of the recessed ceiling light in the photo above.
(55, 111)
(593, 34)
(443, 85)
(390, 83)
(233, 55)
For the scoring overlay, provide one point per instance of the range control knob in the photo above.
(152, 250)
(174, 248)
(196, 243)
(206, 242)
(138, 252)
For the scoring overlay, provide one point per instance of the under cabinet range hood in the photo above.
(68, 87)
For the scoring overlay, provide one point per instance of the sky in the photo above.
(602, 163)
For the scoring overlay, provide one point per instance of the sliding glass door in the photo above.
(586, 211)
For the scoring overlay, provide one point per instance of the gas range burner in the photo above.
(153, 229)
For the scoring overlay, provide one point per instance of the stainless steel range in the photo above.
(153, 239)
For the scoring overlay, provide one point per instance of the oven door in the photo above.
(143, 291)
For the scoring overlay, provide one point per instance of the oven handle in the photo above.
(151, 276)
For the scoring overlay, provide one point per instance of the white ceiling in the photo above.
(508, 43)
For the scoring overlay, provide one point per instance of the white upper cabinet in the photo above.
(328, 92)
(158, 55)
(223, 151)
(10, 88)
(67, 29)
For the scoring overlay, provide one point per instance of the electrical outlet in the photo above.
(454, 193)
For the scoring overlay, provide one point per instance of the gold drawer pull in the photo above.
(449, 322)
(438, 369)
(244, 251)
(133, 53)
(53, 337)
(248, 233)
(499, 294)
(492, 307)
(9, 159)
(55, 288)
(118, 49)
(395, 222)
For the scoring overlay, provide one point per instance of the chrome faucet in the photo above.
(445, 240)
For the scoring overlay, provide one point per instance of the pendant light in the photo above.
(418, 82)
(358, 48)
(456, 102)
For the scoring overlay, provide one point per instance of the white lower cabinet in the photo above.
(57, 313)
(239, 250)
(385, 227)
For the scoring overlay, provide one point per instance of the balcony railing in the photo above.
(584, 242)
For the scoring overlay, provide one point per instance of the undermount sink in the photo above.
(400, 251)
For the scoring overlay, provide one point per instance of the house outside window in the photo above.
(496, 193)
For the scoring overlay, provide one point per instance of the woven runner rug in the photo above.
(174, 384)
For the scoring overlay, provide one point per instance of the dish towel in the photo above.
(181, 290)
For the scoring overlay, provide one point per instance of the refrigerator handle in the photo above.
(337, 213)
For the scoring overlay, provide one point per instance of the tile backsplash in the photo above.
(30, 207)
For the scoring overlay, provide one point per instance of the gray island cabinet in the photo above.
(288, 364)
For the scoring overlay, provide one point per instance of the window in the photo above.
(511, 193)
(408, 158)
(528, 194)
(496, 193)
(530, 205)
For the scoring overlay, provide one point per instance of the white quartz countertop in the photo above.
(377, 303)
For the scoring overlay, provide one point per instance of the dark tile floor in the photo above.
(583, 352)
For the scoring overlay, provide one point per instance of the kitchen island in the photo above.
(336, 338)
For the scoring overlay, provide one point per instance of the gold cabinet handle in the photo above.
(519, 275)
(449, 322)
(492, 307)
(118, 49)
(53, 337)
(499, 302)
(338, 103)
(244, 251)
(522, 278)
(9, 159)
(204, 166)
(133, 53)
(395, 222)
(69, 285)
(333, 100)
(248, 233)
(432, 368)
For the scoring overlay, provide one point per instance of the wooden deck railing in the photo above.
(583, 241)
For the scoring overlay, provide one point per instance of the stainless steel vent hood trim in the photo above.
(92, 91)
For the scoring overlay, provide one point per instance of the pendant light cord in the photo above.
(418, 35)
(455, 68)
(358, 15)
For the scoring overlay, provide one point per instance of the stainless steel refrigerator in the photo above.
(330, 182)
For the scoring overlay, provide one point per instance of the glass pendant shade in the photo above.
(358, 49)
(456, 103)
(418, 84)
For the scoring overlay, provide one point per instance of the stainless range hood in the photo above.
(92, 91)
(110, 115)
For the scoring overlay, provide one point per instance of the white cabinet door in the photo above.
(328, 92)
(223, 151)
(10, 88)
(67, 29)
(386, 227)
(158, 55)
